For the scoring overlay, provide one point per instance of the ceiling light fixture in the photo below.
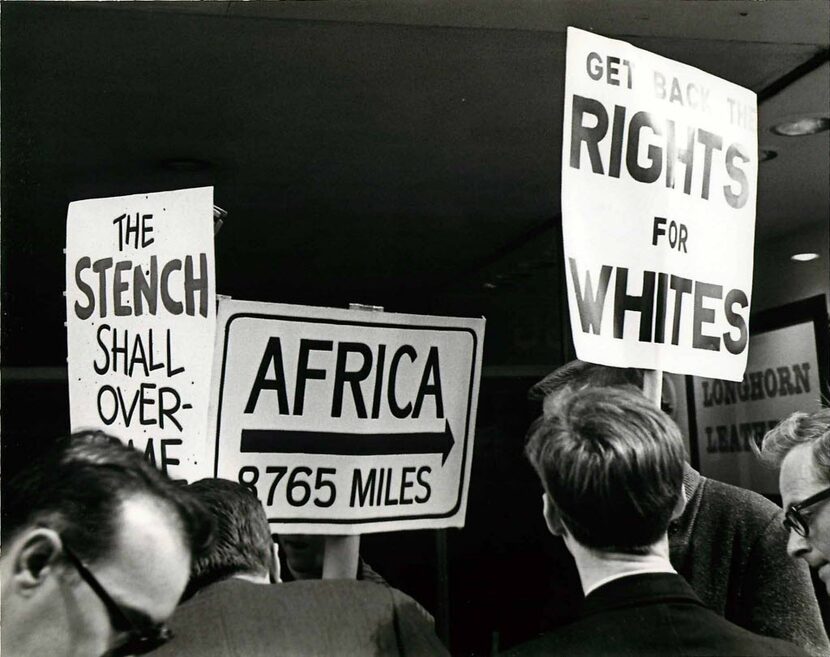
(804, 257)
(806, 125)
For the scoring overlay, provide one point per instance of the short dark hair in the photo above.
(579, 374)
(797, 429)
(242, 539)
(77, 489)
(612, 464)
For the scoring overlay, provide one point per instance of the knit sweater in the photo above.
(729, 544)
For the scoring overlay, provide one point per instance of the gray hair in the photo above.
(798, 429)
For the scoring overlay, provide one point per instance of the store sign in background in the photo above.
(782, 376)
(346, 421)
(141, 312)
(659, 170)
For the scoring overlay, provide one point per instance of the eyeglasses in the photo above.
(137, 640)
(798, 523)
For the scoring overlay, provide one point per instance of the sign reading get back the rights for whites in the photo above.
(141, 312)
(659, 170)
(346, 421)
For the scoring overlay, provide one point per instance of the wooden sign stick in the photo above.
(341, 554)
(653, 385)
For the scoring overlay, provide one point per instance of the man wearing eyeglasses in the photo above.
(800, 445)
(97, 546)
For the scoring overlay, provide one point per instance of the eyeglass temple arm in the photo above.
(90, 579)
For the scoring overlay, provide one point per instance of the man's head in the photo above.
(242, 544)
(612, 468)
(97, 546)
(800, 445)
(578, 374)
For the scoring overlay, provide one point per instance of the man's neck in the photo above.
(597, 568)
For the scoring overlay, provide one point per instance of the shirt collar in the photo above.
(665, 568)
(639, 589)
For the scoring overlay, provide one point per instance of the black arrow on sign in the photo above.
(286, 441)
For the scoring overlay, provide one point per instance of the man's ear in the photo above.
(680, 505)
(552, 518)
(33, 559)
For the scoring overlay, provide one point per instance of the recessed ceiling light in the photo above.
(808, 125)
(804, 257)
(766, 155)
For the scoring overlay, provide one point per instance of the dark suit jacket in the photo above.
(314, 618)
(730, 546)
(652, 615)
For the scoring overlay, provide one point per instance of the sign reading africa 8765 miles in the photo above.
(659, 170)
(346, 421)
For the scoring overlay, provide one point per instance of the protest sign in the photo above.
(141, 314)
(659, 170)
(346, 421)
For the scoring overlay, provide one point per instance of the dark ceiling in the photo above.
(399, 154)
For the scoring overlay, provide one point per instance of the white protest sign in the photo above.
(141, 314)
(346, 421)
(659, 171)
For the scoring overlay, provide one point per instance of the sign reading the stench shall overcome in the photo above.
(659, 170)
(346, 421)
(141, 314)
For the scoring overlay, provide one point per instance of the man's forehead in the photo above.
(151, 524)
(150, 563)
(799, 479)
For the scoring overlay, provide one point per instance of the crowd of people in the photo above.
(104, 555)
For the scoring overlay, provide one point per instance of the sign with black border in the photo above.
(346, 418)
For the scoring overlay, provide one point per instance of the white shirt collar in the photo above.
(664, 568)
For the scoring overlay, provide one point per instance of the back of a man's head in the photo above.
(78, 487)
(577, 374)
(612, 464)
(242, 543)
